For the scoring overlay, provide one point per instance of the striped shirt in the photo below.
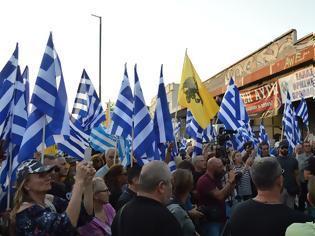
(243, 184)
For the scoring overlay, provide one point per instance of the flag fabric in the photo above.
(232, 111)
(17, 126)
(189, 118)
(8, 77)
(101, 141)
(49, 108)
(302, 112)
(177, 128)
(182, 144)
(263, 136)
(122, 117)
(209, 134)
(194, 95)
(162, 122)
(288, 123)
(87, 113)
(144, 145)
(194, 130)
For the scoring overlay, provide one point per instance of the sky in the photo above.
(150, 33)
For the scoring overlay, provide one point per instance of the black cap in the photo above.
(284, 143)
(31, 166)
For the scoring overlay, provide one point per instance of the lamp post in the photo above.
(100, 58)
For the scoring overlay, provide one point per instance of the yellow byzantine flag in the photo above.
(193, 95)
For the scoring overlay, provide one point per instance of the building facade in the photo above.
(265, 76)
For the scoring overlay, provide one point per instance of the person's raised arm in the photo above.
(74, 206)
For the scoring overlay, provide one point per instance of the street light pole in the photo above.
(100, 58)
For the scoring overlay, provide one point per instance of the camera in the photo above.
(238, 175)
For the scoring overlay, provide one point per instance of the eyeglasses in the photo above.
(285, 147)
(105, 190)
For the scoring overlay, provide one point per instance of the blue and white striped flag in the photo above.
(101, 141)
(263, 136)
(122, 117)
(162, 121)
(232, 111)
(144, 137)
(177, 128)
(18, 122)
(49, 107)
(288, 123)
(8, 77)
(194, 131)
(302, 112)
(209, 134)
(87, 113)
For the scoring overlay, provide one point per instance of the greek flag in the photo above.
(144, 137)
(163, 122)
(49, 108)
(177, 128)
(17, 126)
(192, 127)
(87, 113)
(263, 136)
(101, 141)
(209, 133)
(8, 77)
(288, 123)
(182, 144)
(194, 130)
(302, 112)
(122, 117)
(232, 111)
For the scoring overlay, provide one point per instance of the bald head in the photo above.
(215, 167)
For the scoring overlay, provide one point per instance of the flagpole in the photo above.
(100, 56)
(9, 176)
(115, 150)
(132, 138)
(43, 141)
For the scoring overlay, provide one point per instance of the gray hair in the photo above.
(152, 174)
(264, 172)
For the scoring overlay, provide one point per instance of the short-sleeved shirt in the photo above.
(144, 216)
(205, 186)
(301, 229)
(97, 227)
(260, 219)
(290, 167)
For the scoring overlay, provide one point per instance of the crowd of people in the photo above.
(221, 192)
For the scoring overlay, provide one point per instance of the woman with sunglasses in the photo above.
(38, 213)
(103, 210)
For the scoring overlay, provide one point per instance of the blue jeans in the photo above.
(212, 229)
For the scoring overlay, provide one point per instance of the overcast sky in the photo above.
(149, 33)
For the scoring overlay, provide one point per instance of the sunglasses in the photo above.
(285, 147)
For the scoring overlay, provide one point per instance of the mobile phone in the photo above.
(88, 154)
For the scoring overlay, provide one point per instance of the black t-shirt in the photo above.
(143, 217)
(290, 166)
(311, 165)
(255, 218)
